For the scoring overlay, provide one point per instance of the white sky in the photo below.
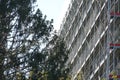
(54, 9)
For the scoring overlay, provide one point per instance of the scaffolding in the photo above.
(113, 44)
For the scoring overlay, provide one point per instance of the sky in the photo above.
(54, 9)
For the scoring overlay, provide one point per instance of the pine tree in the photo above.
(22, 30)
(52, 64)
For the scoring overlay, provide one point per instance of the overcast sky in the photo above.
(54, 9)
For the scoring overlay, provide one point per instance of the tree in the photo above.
(22, 29)
(56, 61)
(80, 76)
(52, 64)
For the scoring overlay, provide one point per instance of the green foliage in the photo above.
(23, 30)
(57, 60)
(53, 62)
(80, 76)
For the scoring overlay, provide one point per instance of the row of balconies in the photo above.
(81, 36)
(97, 58)
(70, 38)
(83, 9)
(84, 56)
(98, 33)
(74, 42)
(92, 43)
(94, 61)
(73, 8)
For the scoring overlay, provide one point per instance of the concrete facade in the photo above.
(88, 29)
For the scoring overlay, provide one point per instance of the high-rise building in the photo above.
(91, 30)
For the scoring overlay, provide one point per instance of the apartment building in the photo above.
(91, 30)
